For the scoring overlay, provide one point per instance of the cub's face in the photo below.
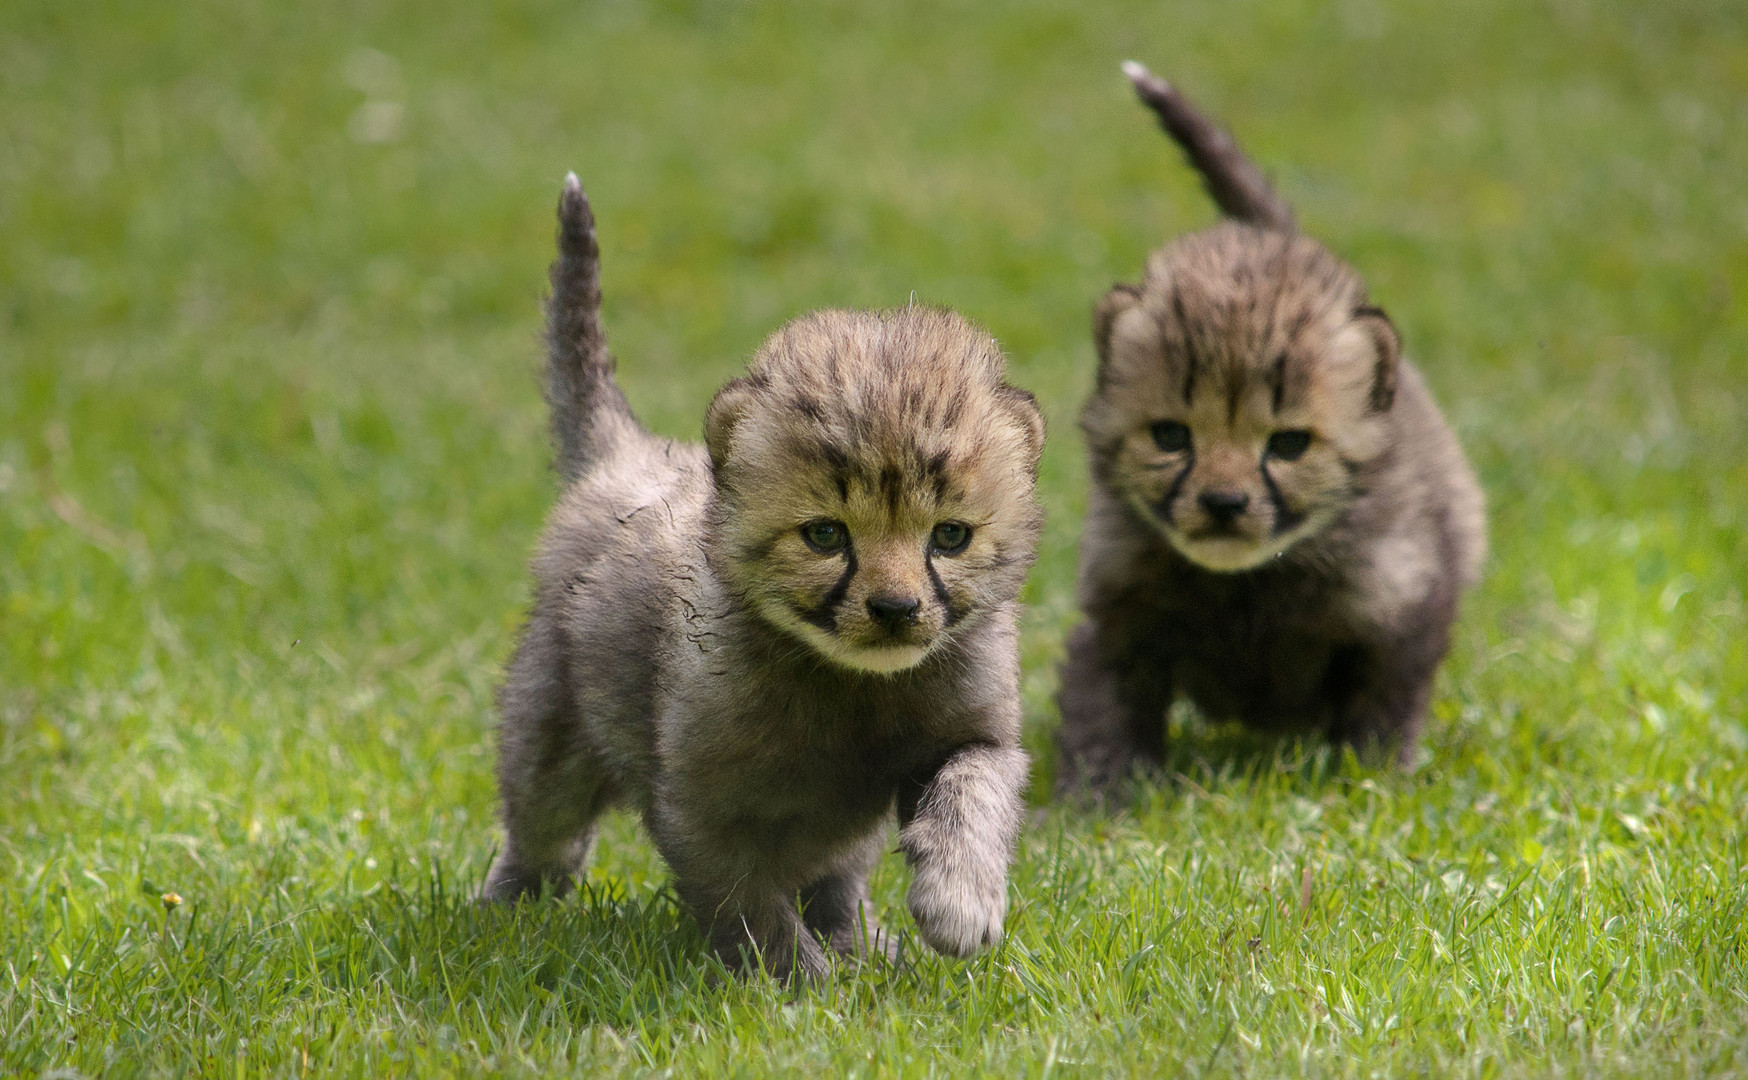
(875, 514)
(873, 582)
(1235, 413)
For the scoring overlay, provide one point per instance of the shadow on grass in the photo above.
(1202, 757)
(594, 957)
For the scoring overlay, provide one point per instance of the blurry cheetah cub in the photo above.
(766, 643)
(1281, 522)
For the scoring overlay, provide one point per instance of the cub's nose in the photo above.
(893, 612)
(1223, 504)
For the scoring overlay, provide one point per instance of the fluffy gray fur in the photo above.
(689, 657)
(1281, 523)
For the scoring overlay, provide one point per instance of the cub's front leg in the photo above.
(958, 832)
(1113, 702)
(752, 924)
(1382, 697)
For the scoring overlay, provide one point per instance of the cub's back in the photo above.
(619, 567)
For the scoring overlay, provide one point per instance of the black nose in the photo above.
(892, 611)
(1223, 505)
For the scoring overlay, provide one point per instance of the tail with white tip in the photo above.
(1233, 180)
(589, 412)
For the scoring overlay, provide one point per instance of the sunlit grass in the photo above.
(272, 456)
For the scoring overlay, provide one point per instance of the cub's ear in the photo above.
(1120, 299)
(1024, 408)
(1389, 349)
(723, 416)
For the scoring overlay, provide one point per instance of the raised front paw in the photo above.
(956, 914)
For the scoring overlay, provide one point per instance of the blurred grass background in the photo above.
(272, 456)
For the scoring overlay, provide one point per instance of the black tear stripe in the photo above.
(954, 614)
(825, 616)
(1286, 519)
(1177, 485)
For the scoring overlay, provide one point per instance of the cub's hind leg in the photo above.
(550, 779)
(1113, 706)
(838, 908)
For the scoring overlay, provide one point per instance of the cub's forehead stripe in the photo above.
(892, 488)
(1191, 361)
(936, 470)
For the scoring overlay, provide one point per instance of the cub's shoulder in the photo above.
(644, 508)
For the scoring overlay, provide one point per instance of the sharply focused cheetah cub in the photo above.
(767, 643)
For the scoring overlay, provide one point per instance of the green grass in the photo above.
(272, 456)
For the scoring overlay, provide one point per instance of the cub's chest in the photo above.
(793, 799)
(1277, 610)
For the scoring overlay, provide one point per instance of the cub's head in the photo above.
(874, 480)
(1243, 387)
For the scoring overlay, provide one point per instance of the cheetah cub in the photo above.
(767, 643)
(1280, 520)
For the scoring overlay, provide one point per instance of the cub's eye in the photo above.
(951, 537)
(825, 537)
(1171, 436)
(1288, 445)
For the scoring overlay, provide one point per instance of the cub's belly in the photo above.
(794, 827)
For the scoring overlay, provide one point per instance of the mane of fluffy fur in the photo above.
(1281, 522)
(765, 702)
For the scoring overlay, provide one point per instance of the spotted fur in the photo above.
(1281, 522)
(763, 700)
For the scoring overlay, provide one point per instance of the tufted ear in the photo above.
(1120, 299)
(1023, 407)
(723, 416)
(1389, 349)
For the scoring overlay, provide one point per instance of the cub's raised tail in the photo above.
(589, 412)
(1233, 180)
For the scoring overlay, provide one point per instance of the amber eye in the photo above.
(1171, 436)
(1288, 445)
(825, 537)
(950, 537)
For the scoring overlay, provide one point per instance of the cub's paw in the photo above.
(956, 914)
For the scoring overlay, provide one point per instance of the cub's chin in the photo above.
(887, 658)
(1227, 554)
(1224, 554)
(883, 658)
(879, 659)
